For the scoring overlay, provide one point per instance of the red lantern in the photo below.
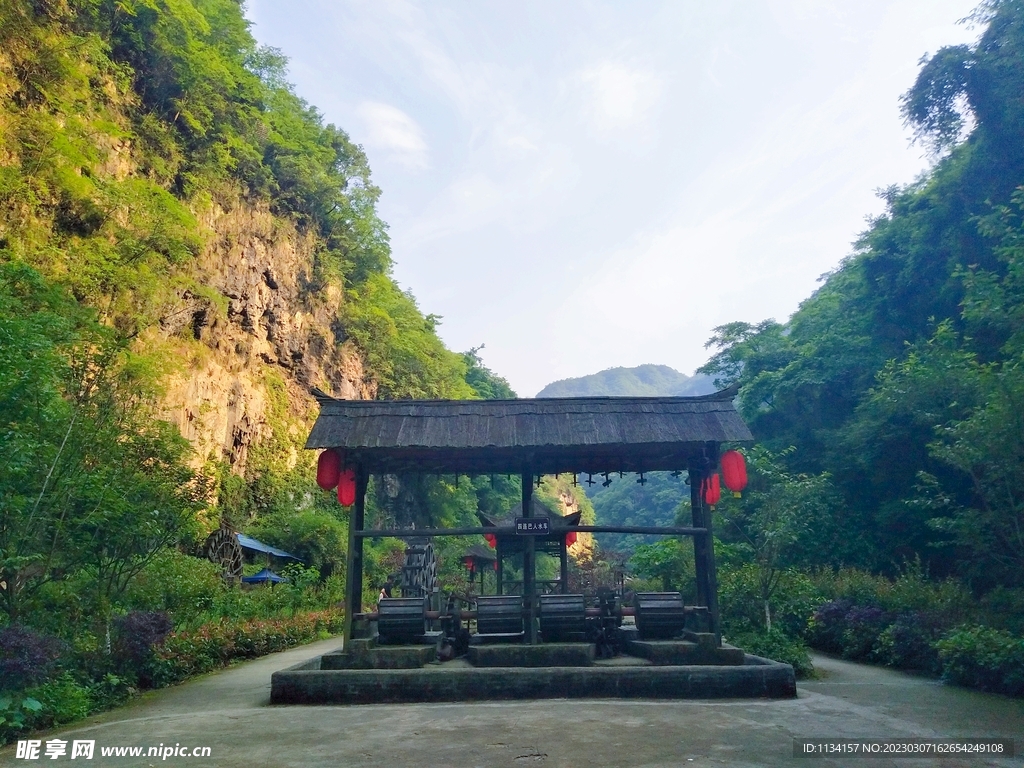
(734, 471)
(491, 540)
(347, 488)
(470, 565)
(570, 538)
(328, 469)
(495, 565)
(712, 490)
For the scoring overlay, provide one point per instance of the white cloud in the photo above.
(619, 96)
(390, 129)
(521, 143)
(604, 185)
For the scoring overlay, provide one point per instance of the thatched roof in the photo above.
(546, 435)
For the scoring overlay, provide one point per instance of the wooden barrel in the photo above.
(400, 620)
(499, 615)
(659, 615)
(563, 618)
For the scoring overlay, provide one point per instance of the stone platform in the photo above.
(370, 675)
(543, 655)
(695, 648)
(384, 657)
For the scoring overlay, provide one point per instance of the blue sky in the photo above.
(582, 185)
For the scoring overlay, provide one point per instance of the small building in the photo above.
(510, 544)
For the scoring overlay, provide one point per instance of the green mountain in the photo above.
(642, 381)
(186, 248)
(624, 501)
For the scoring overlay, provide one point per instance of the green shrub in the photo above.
(177, 583)
(16, 714)
(188, 653)
(1003, 608)
(110, 690)
(864, 627)
(63, 700)
(778, 646)
(985, 658)
(854, 585)
(946, 601)
(792, 602)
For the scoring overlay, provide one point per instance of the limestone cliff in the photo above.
(275, 325)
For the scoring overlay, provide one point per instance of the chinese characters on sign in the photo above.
(533, 526)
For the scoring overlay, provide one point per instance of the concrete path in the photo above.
(228, 712)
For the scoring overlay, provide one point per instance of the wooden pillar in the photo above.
(564, 575)
(712, 579)
(704, 553)
(354, 566)
(529, 563)
(699, 542)
(500, 573)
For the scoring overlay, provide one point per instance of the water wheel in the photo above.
(419, 574)
(222, 548)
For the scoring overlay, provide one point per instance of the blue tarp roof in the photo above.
(248, 542)
(263, 577)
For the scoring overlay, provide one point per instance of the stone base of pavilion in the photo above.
(651, 670)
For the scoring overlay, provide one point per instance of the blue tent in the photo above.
(248, 542)
(266, 576)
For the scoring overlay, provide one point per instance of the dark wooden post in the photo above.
(500, 577)
(529, 563)
(354, 566)
(564, 575)
(704, 553)
(712, 579)
(696, 475)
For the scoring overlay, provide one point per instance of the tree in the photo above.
(892, 349)
(485, 383)
(91, 481)
(670, 560)
(777, 517)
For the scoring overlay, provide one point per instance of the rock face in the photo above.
(570, 505)
(259, 334)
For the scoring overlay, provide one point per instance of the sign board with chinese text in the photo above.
(533, 526)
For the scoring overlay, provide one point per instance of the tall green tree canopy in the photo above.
(893, 375)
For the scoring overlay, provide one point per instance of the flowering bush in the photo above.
(827, 624)
(864, 626)
(188, 653)
(853, 631)
(909, 643)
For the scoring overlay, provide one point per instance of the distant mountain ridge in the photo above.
(624, 501)
(642, 381)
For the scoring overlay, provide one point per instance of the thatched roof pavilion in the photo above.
(550, 435)
(531, 437)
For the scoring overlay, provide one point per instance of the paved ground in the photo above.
(229, 713)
